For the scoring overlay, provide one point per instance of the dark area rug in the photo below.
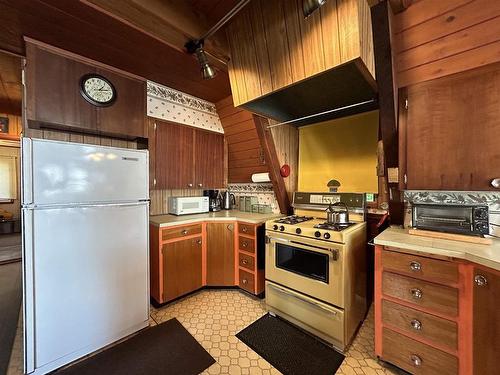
(10, 306)
(288, 349)
(167, 348)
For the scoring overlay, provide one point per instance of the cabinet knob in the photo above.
(244, 244)
(244, 281)
(416, 324)
(244, 229)
(416, 360)
(480, 280)
(184, 232)
(198, 242)
(415, 266)
(416, 293)
(190, 185)
(200, 185)
(495, 183)
(230, 226)
(244, 261)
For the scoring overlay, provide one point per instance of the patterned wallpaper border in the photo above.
(452, 197)
(251, 188)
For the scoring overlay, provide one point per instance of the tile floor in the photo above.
(213, 317)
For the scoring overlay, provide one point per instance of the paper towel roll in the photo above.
(261, 177)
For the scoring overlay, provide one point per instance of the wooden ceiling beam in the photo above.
(170, 22)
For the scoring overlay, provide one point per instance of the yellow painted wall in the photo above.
(343, 149)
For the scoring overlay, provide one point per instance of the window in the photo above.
(8, 178)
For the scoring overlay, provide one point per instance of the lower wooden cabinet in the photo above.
(182, 267)
(486, 328)
(220, 254)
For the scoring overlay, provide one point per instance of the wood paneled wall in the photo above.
(286, 141)
(438, 38)
(245, 155)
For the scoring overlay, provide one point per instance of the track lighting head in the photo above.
(196, 47)
(309, 6)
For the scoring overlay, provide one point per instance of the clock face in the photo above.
(97, 90)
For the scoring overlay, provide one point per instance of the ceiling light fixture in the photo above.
(309, 6)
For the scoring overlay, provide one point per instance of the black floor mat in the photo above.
(288, 349)
(167, 348)
(10, 306)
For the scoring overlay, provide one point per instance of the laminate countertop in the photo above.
(230, 215)
(486, 255)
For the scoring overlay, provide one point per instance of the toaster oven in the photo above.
(460, 219)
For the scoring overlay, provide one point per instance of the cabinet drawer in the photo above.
(415, 357)
(418, 266)
(442, 299)
(438, 330)
(188, 230)
(247, 281)
(246, 229)
(246, 244)
(247, 261)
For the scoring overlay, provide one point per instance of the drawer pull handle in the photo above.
(416, 293)
(415, 266)
(245, 244)
(416, 360)
(480, 280)
(244, 261)
(244, 229)
(184, 232)
(416, 324)
(245, 281)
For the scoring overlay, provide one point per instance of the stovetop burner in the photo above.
(334, 227)
(294, 219)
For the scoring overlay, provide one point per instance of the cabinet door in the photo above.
(220, 254)
(174, 159)
(53, 91)
(182, 268)
(209, 159)
(126, 116)
(486, 321)
(453, 128)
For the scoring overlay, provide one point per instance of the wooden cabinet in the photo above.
(449, 133)
(182, 267)
(220, 254)
(272, 46)
(53, 98)
(251, 252)
(186, 157)
(486, 328)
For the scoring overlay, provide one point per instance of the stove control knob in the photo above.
(282, 228)
(298, 231)
(326, 236)
(317, 234)
(275, 227)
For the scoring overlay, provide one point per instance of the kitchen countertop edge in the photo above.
(485, 255)
(164, 221)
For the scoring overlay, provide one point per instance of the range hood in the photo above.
(345, 85)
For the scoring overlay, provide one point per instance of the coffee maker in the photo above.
(214, 199)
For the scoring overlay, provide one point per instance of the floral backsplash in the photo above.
(491, 199)
(168, 104)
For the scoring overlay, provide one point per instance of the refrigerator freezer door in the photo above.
(68, 173)
(90, 280)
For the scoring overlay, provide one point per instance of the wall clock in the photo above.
(97, 90)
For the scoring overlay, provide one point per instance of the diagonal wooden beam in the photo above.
(267, 143)
(170, 22)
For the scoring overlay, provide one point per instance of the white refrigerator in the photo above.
(85, 213)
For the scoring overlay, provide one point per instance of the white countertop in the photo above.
(223, 215)
(486, 255)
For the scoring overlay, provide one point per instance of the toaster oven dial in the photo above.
(326, 236)
(298, 231)
(317, 234)
(480, 213)
(275, 227)
(282, 228)
(481, 227)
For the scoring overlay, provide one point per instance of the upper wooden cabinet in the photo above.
(272, 46)
(183, 157)
(450, 132)
(53, 97)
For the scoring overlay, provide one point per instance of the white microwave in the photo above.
(187, 205)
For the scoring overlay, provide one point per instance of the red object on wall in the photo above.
(285, 170)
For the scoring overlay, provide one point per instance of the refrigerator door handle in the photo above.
(85, 205)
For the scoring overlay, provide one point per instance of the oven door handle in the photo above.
(334, 252)
(333, 312)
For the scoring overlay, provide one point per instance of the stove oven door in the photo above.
(311, 267)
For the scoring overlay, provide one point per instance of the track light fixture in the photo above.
(309, 6)
(196, 47)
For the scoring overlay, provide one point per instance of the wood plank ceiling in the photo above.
(10, 84)
(81, 29)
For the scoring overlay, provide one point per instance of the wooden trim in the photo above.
(9, 137)
(378, 300)
(80, 58)
(267, 143)
(465, 317)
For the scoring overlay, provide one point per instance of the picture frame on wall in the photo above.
(4, 125)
